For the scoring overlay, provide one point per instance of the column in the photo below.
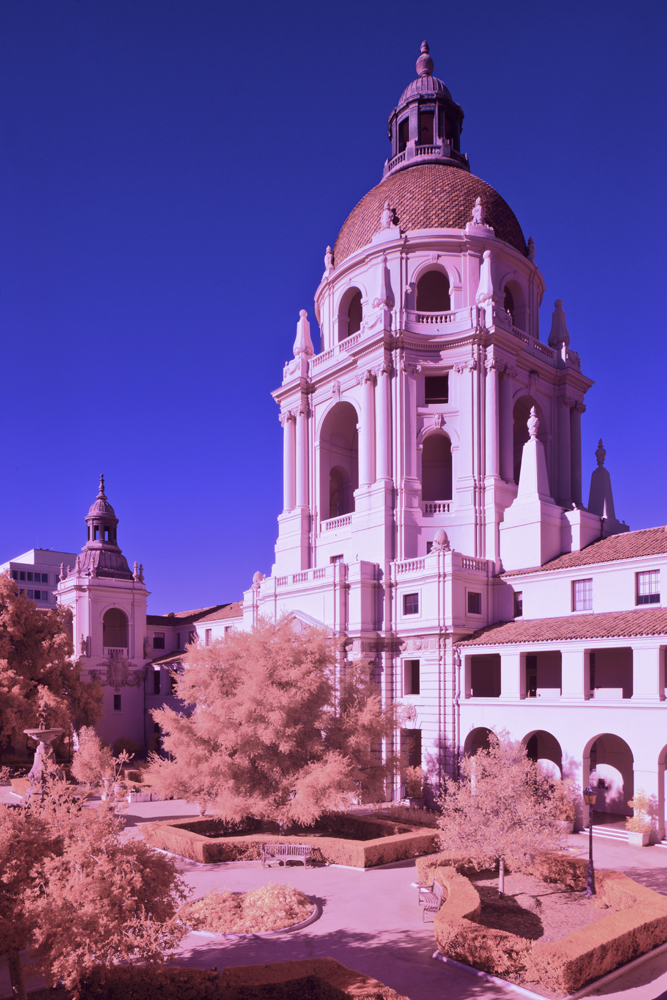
(507, 426)
(302, 455)
(289, 455)
(383, 423)
(512, 676)
(367, 435)
(492, 442)
(574, 674)
(564, 455)
(648, 673)
(575, 447)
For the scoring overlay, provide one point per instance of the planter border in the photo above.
(251, 934)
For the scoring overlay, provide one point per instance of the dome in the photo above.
(101, 506)
(429, 196)
(424, 86)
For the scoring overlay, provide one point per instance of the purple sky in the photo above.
(170, 174)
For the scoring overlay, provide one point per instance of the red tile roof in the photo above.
(215, 612)
(629, 545)
(609, 625)
(168, 658)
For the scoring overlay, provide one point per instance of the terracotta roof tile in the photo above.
(430, 196)
(608, 625)
(213, 613)
(168, 658)
(629, 545)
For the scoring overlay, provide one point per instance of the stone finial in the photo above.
(141, 572)
(478, 213)
(387, 217)
(559, 334)
(63, 575)
(533, 423)
(77, 565)
(101, 494)
(441, 541)
(328, 261)
(303, 344)
(135, 572)
(600, 452)
(69, 570)
(424, 63)
(531, 248)
(257, 579)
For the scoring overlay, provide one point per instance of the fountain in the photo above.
(44, 763)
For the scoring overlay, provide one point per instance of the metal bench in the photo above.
(430, 898)
(285, 853)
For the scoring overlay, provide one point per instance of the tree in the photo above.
(269, 733)
(36, 667)
(93, 761)
(501, 810)
(76, 895)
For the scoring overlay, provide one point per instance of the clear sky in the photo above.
(170, 174)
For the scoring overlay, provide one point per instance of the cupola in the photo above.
(101, 553)
(425, 126)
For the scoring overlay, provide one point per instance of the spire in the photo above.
(559, 334)
(424, 65)
(101, 495)
(101, 554)
(303, 343)
(601, 498)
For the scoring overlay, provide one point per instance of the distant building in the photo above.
(37, 573)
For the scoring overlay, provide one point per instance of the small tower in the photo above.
(108, 604)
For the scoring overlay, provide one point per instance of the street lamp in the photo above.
(590, 795)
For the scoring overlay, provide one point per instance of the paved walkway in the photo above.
(370, 920)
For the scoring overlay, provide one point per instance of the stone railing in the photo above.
(479, 565)
(115, 652)
(424, 317)
(337, 522)
(396, 160)
(410, 565)
(437, 507)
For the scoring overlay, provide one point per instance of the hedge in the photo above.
(180, 837)
(563, 966)
(314, 979)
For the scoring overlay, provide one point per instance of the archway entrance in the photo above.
(546, 751)
(476, 740)
(609, 759)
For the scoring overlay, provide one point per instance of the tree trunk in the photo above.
(16, 974)
(501, 877)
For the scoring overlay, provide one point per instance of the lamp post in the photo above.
(590, 794)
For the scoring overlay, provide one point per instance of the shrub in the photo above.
(566, 794)
(93, 760)
(269, 908)
(127, 745)
(414, 782)
(640, 822)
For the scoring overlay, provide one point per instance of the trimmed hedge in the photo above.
(314, 979)
(180, 837)
(563, 966)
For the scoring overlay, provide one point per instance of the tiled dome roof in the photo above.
(424, 86)
(430, 196)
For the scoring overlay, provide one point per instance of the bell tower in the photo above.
(108, 603)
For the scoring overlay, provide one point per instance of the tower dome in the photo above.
(101, 553)
(427, 180)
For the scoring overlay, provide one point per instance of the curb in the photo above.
(281, 930)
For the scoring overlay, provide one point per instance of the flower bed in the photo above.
(269, 908)
(555, 967)
(375, 842)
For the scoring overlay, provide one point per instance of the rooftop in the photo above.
(213, 613)
(609, 625)
(629, 545)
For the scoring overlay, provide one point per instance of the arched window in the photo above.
(433, 292)
(350, 314)
(509, 307)
(515, 304)
(114, 628)
(403, 134)
(339, 461)
(437, 468)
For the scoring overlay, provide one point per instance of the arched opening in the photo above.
(611, 673)
(339, 461)
(515, 304)
(437, 467)
(476, 740)
(521, 414)
(350, 314)
(609, 759)
(433, 292)
(546, 751)
(114, 628)
(403, 134)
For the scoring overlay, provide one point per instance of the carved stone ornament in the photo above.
(335, 390)
(367, 376)
(328, 262)
(466, 366)
(116, 673)
(600, 453)
(257, 580)
(441, 541)
(438, 420)
(285, 416)
(478, 213)
(387, 220)
(533, 423)
(531, 248)
(409, 368)
(493, 364)
(510, 372)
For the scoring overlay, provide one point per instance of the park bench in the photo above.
(285, 853)
(430, 897)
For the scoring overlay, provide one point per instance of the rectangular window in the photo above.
(178, 640)
(436, 389)
(30, 578)
(411, 677)
(156, 682)
(335, 559)
(228, 629)
(38, 595)
(403, 134)
(45, 577)
(22, 575)
(474, 603)
(15, 574)
(648, 587)
(582, 595)
(531, 676)
(158, 640)
(518, 604)
(116, 703)
(31, 594)
(208, 636)
(410, 604)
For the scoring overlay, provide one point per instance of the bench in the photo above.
(285, 853)
(430, 897)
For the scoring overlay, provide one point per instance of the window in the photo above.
(411, 677)
(116, 702)
(178, 640)
(15, 574)
(228, 629)
(582, 595)
(531, 676)
(192, 637)
(31, 594)
(429, 546)
(156, 682)
(410, 604)
(648, 587)
(433, 293)
(426, 128)
(208, 636)
(158, 640)
(335, 559)
(436, 389)
(403, 134)
(114, 628)
(30, 578)
(45, 577)
(22, 575)
(474, 603)
(518, 604)
(437, 467)
(509, 302)
(355, 314)
(39, 595)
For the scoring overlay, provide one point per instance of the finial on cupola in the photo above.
(600, 452)
(303, 345)
(559, 334)
(424, 63)
(101, 495)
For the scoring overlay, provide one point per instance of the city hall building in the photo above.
(434, 514)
